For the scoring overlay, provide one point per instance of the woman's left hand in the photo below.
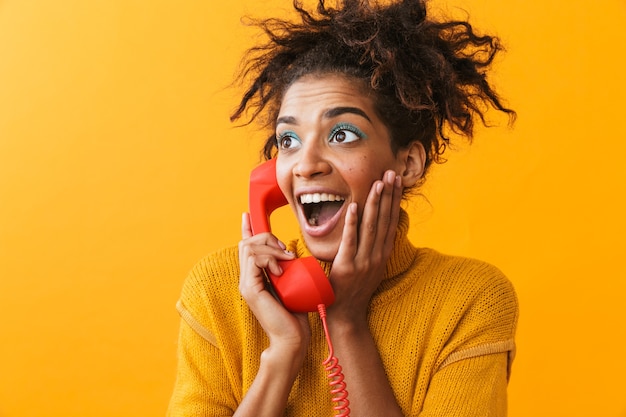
(360, 263)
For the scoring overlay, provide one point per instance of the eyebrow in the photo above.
(338, 111)
(329, 114)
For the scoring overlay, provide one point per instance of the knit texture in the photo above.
(444, 327)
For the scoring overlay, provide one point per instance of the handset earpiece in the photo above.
(264, 196)
(303, 285)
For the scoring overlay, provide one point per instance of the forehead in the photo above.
(319, 93)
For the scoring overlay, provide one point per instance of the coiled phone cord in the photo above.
(331, 364)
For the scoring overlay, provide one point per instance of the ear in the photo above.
(412, 161)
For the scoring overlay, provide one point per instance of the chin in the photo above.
(323, 251)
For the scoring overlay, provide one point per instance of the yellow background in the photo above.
(119, 169)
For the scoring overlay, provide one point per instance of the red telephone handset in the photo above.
(303, 286)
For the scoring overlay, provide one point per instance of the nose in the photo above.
(311, 162)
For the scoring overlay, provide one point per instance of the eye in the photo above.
(287, 140)
(346, 133)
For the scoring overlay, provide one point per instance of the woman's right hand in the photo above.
(289, 333)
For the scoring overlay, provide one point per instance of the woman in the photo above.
(360, 100)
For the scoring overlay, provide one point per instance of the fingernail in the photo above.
(390, 176)
(379, 187)
(398, 181)
(282, 245)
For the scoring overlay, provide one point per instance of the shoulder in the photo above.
(474, 296)
(216, 267)
(464, 275)
(475, 304)
(222, 261)
(467, 290)
(212, 283)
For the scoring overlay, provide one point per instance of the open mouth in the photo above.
(319, 208)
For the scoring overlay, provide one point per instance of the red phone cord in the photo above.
(331, 364)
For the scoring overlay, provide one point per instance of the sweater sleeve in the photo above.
(471, 374)
(204, 381)
(201, 382)
(471, 387)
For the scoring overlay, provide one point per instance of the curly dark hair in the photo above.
(428, 77)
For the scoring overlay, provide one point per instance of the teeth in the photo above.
(319, 197)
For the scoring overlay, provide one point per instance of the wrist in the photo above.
(269, 393)
(283, 360)
(348, 324)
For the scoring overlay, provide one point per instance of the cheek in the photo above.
(355, 167)
(283, 178)
(360, 179)
(363, 172)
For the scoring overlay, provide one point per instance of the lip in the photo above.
(326, 228)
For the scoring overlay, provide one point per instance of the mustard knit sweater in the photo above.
(444, 327)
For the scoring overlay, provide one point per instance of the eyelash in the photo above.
(286, 135)
(347, 127)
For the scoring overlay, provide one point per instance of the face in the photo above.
(332, 147)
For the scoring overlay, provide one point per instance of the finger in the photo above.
(251, 276)
(254, 260)
(251, 280)
(395, 213)
(260, 239)
(246, 233)
(253, 288)
(256, 256)
(271, 265)
(266, 308)
(349, 238)
(263, 250)
(369, 218)
(246, 229)
(388, 200)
